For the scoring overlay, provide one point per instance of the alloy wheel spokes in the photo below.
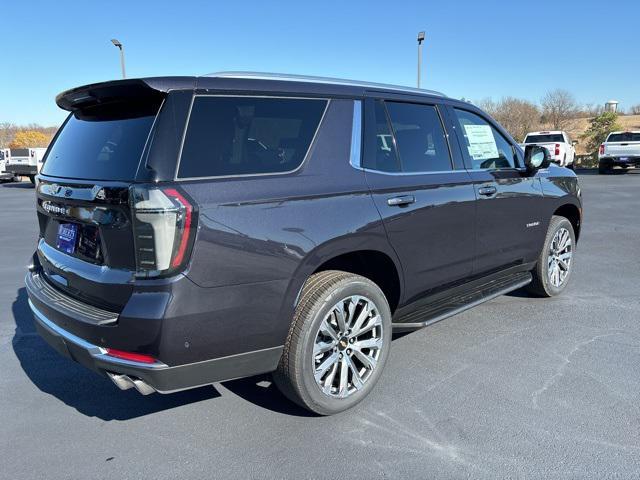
(559, 257)
(347, 347)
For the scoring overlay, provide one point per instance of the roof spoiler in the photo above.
(140, 89)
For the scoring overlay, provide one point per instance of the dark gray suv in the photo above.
(197, 229)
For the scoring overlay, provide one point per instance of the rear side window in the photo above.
(99, 147)
(248, 135)
(420, 137)
(545, 138)
(624, 137)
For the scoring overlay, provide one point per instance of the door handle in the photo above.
(401, 201)
(487, 191)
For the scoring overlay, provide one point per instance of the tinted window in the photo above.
(420, 138)
(384, 157)
(483, 146)
(245, 135)
(99, 147)
(545, 138)
(624, 137)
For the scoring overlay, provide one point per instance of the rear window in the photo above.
(546, 138)
(99, 146)
(624, 137)
(248, 135)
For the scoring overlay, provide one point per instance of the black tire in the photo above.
(32, 179)
(295, 374)
(541, 284)
(604, 168)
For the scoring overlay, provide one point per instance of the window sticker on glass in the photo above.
(482, 144)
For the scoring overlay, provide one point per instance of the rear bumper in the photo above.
(54, 318)
(17, 169)
(632, 161)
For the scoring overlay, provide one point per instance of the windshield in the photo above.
(99, 147)
(624, 137)
(545, 138)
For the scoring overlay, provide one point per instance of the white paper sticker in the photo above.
(482, 145)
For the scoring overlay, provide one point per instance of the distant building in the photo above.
(611, 106)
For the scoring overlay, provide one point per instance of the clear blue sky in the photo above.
(475, 49)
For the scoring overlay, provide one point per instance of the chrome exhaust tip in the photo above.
(125, 382)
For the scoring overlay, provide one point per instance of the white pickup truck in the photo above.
(5, 155)
(561, 149)
(620, 149)
(26, 162)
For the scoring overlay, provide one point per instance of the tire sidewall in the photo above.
(323, 403)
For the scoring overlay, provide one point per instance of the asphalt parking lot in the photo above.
(517, 387)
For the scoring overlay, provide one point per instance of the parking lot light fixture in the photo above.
(118, 44)
(421, 36)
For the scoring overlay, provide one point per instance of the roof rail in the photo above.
(323, 80)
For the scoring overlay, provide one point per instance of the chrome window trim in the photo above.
(355, 156)
(438, 172)
(322, 80)
(246, 175)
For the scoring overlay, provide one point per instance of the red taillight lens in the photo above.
(164, 225)
(602, 149)
(178, 256)
(134, 357)
(557, 149)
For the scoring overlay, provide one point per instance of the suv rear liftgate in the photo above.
(112, 226)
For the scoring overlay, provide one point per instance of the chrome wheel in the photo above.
(347, 346)
(559, 257)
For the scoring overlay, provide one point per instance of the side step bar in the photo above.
(440, 309)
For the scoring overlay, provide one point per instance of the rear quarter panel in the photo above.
(267, 234)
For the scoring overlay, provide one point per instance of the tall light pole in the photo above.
(420, 40)
(121, 48)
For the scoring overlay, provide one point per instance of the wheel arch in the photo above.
(572, 213)
(360, 255)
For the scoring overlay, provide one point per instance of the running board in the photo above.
(442, 308)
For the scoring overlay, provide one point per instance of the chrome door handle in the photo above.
(487, 191)
(401, 201)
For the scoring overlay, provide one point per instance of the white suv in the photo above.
(561, 148)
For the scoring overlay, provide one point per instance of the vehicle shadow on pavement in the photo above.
(25, 185)
(80, 388)
(261, 391)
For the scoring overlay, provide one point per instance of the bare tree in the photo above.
(558, 107)
(635, 109)
(517, 116)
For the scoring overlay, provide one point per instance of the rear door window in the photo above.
(248, 135)
(420, 137)
(100, 146)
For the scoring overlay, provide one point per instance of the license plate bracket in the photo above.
(67, 237)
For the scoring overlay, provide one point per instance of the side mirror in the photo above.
(536, 157)
(574, 142)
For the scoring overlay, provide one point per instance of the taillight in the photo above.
(602, 149)
(557, 154)
(163, 229)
